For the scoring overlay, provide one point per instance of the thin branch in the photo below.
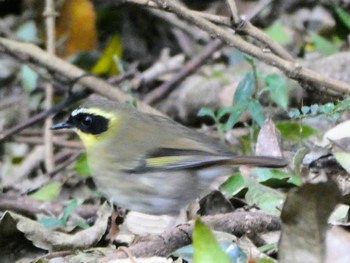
(31, 207)
(43, 115)
(124, 76)
(192, 31)
(245, 27)
(65, 164)
(256, 9)
(161, 67)
(56, 140)
(50, 16)
(72, 98)
(188, 69)
(236, 223)
(234, 12)
(35, 55)
(222, 20)
(291, 69)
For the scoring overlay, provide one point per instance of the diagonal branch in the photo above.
(35, 55)
(243, 26)
(291, 69)
(188, 69)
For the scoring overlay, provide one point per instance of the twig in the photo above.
(236, 223)
(244, 27)
(173, 20)
(127, 75)
(291, 69)
(31, 207)
(37, 56)
(41, 116)
(257, 9)
(50, 16)
(159, 68)
(234, 12)
(72, 98)
(188, 69)
(63, 165)
(56, 140)
(221, 20)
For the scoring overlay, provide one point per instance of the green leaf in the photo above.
(235, 57)
(343, 105)
(235, 253)
(52, 222)
(241, 101)
(294, 131)
(237, 111)
(323, 46)
(233, 185)
(267, 199)
(206, 248)
(343, 16)
(62, 221)
(266, 260)
(256, 112)
(82, 166)
(69, 209)
(29, 79)
(49, 192)
(314, 109)
(294, 113)
(343, 159)
(28, 32)
(82, 224)
(226, 110)
(278, 33)
(278, 89)
(203, 112)
(327, 108)
(107, 65)
(264, 175)
(268, 247)
(305, 110)
(244, 89)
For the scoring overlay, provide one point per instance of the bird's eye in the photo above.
(90, 123)
(86, 121)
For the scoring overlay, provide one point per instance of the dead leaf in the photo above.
(107, 63)
(343, 159)
(337, 246)
(76, 26)
(268, 142)
(12, 224)
(336, 133)
(305, 222)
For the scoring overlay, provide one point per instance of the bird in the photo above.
(150, 163)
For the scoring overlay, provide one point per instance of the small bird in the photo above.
(148, 163)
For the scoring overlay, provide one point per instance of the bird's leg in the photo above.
(117, 218)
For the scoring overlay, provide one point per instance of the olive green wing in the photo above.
(163, 159)
(167, 159)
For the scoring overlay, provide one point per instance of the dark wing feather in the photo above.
(167, 159)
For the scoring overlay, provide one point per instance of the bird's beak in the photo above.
(61, 125)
